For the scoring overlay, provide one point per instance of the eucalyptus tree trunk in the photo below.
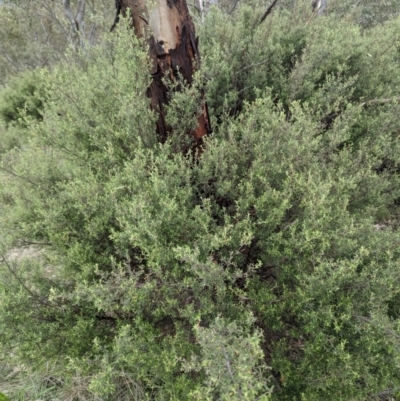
(319, 6)
(76, 21)
(168, 27)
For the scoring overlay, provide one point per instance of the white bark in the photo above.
(80, 14)
(319, 6)
(77, 22)
(68, 13)
(165, 23)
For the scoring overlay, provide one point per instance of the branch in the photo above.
(69, 15)
(389, 391)
(329, 119)
(234, 6)
(11, 61)
(380, 101)
(228, 364)
(34, 296)
(388, 331)
(118, 6)
(92, 33)
(18, 176)
(80, 14)
(252, 65)
(54, 17)
(268, 11)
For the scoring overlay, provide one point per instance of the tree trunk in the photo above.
(77, 27)
(173, 50)
(319, 6)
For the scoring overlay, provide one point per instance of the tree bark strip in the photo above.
(168, 27)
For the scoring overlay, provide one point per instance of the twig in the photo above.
(252, 65)
(328, 120)
(234, 6)
(118, 6)
(357, 3)
(380, 101)
(389, 331)
(228, 364)
(91, 36)
(384, 392)
(10, 60)
(268, 11)
(34, 296)
(18, 176)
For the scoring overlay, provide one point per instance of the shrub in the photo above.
(270, 262)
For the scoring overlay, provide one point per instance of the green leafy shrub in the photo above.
(268, 269)
(324, 63)
(20, 100)
(23, 96)
(240, 373)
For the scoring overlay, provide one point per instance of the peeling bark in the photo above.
(169, 29)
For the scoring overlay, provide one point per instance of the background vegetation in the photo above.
(266, 270)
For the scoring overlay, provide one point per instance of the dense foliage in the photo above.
(267, 268)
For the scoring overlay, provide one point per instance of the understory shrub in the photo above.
(265, 269)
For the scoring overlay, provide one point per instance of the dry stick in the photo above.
(269, 10)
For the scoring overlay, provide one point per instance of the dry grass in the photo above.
(49, 385)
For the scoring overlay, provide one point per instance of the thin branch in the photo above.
(234, 6)
(328, 120)
(11, 61)
(380, 101)
(11, 270)
(268, 11)
(384, 392)
(118, 6)
(245, 88)
(252, 65)
(18, 176)
(228, 364)
(29, 243)
(195, 7)
(389, 331)
(54, 17)
(92, 33)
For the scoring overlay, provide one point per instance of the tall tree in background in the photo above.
(77, 23)
(168, 27)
